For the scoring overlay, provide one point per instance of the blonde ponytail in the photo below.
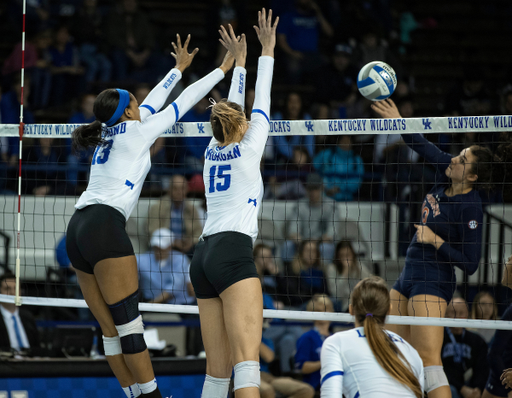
(370, 303)
(228, 122)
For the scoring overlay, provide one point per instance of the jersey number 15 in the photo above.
(220, 186)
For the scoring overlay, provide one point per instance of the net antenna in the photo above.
(21, 128)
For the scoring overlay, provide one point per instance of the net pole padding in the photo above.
(484, 124)
(278, 314)
(20, 133)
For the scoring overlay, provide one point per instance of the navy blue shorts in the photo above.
(495, 387)
(418, 280)
(220, 260)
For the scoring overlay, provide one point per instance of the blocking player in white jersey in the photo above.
(222, 271)
(96, 241)
(369, 361)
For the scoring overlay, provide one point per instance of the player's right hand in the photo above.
(183, 58)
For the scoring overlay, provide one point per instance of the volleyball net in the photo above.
(341, 200)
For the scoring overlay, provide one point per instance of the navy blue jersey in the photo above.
(457, 220)
(500, 351)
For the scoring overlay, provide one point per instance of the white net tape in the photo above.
(307, 127)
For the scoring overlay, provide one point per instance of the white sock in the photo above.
(148, 387)
(132, 391)
(214, 387)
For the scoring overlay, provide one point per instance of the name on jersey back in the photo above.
(215, 155)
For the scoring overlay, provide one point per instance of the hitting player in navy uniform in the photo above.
(449, 235)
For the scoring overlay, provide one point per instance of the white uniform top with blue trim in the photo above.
(232, 178)
(119, 166)
(350, 368)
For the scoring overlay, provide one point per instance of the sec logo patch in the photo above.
(473, 224)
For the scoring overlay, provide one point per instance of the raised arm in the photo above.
(236, 45)
(155, 125)
(157, 97)
(257, 134)
(418, 143)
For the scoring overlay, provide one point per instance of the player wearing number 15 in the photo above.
(97, 243)
(223, 272)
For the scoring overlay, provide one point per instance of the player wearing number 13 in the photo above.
(222, 271)
(96, 240)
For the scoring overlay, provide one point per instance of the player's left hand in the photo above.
(425, 235)
(236, 45)
(506, 378)
(183, 58)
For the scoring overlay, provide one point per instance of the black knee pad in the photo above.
(125, 310)
(129, 324)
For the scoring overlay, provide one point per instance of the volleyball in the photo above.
(376, 81)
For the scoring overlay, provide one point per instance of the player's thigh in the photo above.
(243, 316)
(427, 340)
(117, 278)
(399, 305)
(291, 387)
(94, 299)
(215, 338)
(266, 390)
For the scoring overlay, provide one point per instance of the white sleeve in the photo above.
(157, 97)
(237, 89)
(236, 92)
(194, 93)
(156, 124)
(332, 369)
(257, 134)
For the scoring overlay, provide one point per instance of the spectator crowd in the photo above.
(72, 55)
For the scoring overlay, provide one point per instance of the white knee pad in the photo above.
(247, 374)
(434, 378)
(112, 346)
(215, 387)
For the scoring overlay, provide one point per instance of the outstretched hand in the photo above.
(386, 109)
(266, 32)
(236, 45)
(181, 55)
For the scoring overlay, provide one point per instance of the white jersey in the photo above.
(232, 178)
(119, 167)
(350, 368)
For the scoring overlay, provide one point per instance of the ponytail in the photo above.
(228, 121)
(109, 106)
(87, 136)
(494, 171)
(370, 303)
(389, 356)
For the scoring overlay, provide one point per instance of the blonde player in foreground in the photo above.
(96, 240)
(223, 272)
(369, 361)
